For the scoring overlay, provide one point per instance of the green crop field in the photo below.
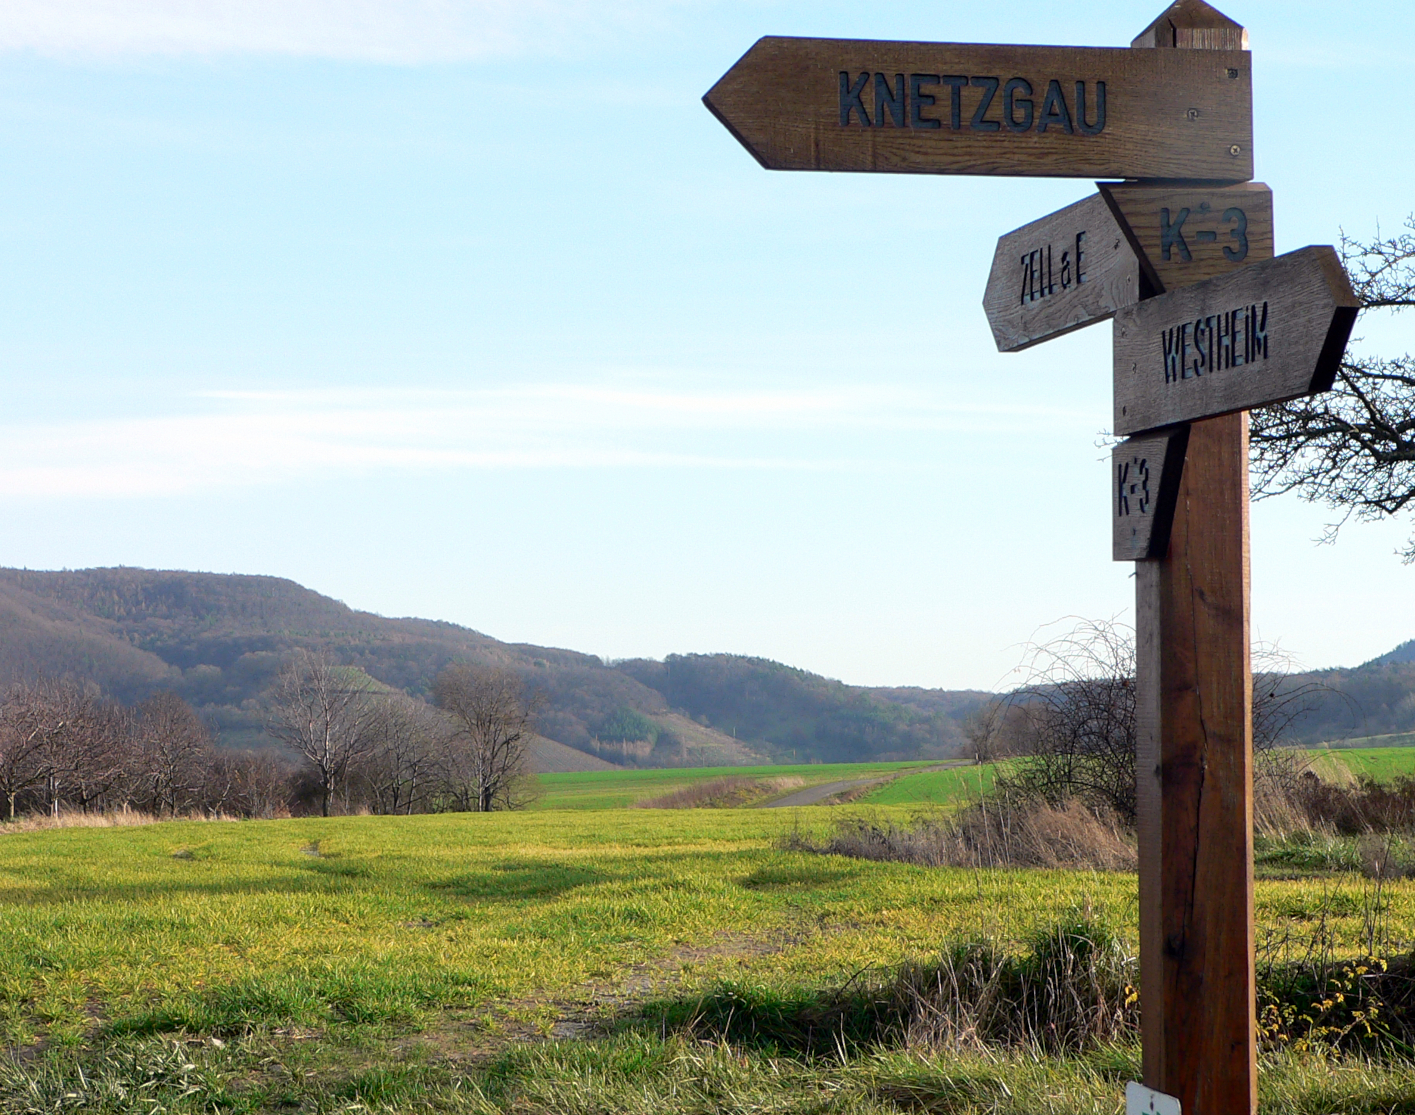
(953, 786)
(1381, 763)
(616, 789)
(420, 963)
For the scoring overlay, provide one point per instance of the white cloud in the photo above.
(393, 31)
(241, 439)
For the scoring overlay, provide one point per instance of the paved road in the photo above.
(814, 795)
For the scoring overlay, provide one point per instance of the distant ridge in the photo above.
(1403, 653)
(219, 640)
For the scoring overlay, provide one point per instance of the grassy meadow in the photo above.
(498, 962)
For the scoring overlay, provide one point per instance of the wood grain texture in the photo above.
(1169, 114)
(1185, 234)
(1265, 333)
(1193, 25)
(1065, 271)
(1195, 784)
(1145, 472)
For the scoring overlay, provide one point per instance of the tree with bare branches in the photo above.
(172, 753)
(492, 718)
(323, 713)
(401, 773)
(1075, 717)
(1352, 448)
(24, 742)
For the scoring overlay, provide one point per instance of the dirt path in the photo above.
(814, 795)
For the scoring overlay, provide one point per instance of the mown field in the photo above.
(479, 963)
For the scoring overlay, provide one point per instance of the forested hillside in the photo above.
(219, 640)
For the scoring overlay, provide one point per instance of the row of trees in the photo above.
(350, 745)
(63, 747)
(379, 749)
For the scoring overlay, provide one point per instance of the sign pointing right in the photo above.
(1266, 333)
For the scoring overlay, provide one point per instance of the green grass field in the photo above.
(415, 963)
(1381, 763)
(618, 789)
(950, 787)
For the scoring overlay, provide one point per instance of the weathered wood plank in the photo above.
(1185, 234)
(1266, 333)
(954, 108)
(1195, 766)
(1065, 271)
(1145, 472)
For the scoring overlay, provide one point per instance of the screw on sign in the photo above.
(1204, 327)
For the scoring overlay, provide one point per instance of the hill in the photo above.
(219, 640)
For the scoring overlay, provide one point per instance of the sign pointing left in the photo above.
(954, 108)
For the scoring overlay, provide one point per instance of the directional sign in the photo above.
(950, 108)
(1185, 234)
(1060, 273)
(1266, 333)
(1145, 471)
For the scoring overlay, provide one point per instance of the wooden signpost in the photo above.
(1063, 272)
(1206, 324)
(954, 108)
(1185, 233)
(1146, 472)
(1264, 334)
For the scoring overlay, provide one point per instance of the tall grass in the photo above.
(1004, 831)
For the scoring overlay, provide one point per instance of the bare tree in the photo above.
(401, 771)
(172, 752)
(1077, 716)
(322, 712)
(245, 783)
(492, 721)
(1077, 713)
(24, 744)
(1352, 448)
(984, 732)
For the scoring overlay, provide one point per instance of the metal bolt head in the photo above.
(1235, 150)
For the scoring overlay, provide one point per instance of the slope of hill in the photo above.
(219, 640)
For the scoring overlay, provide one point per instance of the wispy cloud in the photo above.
(395, 31)
(240, 439)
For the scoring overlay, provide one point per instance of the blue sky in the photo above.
(470, 310)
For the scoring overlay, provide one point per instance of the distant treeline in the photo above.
(350, 746)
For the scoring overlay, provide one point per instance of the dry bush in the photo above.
(722, 793)
(1369, 806)
(1006, 831)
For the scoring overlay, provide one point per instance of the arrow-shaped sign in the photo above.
(1145, 471)
(951, 108)
(1062, 272)
(1264, 334)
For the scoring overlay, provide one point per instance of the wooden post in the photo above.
(1195, 762)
